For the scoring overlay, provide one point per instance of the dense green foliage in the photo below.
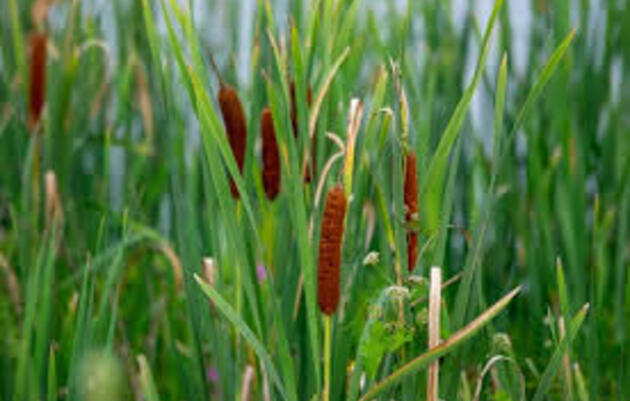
(128, 271)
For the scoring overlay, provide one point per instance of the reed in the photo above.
(37, 79)
(271, 173)
(235, 127)
(330, 242)
(235, 123)
(411, 208)
(102, 254)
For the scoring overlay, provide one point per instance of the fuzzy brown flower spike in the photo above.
(235, 122)
(330, 250)
(235, 127)
(270, 156)
(37, 81)
(411, 208)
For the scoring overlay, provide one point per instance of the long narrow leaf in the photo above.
(444, 348)
(245, 331)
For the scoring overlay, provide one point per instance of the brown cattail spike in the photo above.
(235, 127)
(308, 170)
(411, 208)
(330, 250)
(37, 81)
(270, 156)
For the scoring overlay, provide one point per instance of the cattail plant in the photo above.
(330, 250)
(37, 78)
(271, 175)
(329, 262)
(309, 171)
(235, 123)
(411, 208)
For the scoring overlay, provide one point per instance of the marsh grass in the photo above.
(108, 214)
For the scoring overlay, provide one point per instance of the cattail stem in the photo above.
(215, 68)
(35, 203)
(327, 357)
(435, 299)
(239, 282)
(248, 378)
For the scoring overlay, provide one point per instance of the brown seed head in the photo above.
(37, 81)
(411, 207)
(330, 250)
(412, 249)
(270, 155)
(235, 127)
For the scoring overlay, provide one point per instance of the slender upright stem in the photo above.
(327, 351)
(435, 300)
(239, 283)
(215, 68)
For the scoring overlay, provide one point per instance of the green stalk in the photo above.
(327, 353)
